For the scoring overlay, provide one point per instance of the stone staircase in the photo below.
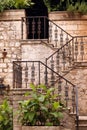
(69, 53)
(68, 59)
(61, 59)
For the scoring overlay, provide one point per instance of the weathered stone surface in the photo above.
(12, 14)
(10, 33)
(37, 51)
(73, 24)
(79, 78)
(43, 128)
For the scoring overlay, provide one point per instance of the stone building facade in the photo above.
(16, 48)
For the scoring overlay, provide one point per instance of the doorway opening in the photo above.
(37, 21)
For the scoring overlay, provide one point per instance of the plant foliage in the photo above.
(42, 108)
(67, 5)
(6, 116)
(14, 4)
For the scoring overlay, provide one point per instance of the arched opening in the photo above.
(37, 23)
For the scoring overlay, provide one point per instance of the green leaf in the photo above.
(31, 116)
(41, 98)
(55, 114)
(49, 91)
(1, 118)
(34, 96)
(33, 87)
(60, 115)
(49, 124)
(27, 94)
(42, 86)
(43, 108)
(56, 105)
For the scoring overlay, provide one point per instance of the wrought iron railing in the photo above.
(36, 72)
(69, 55)
(40, 27)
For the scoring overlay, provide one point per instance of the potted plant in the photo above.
(6, 116)
(41, 109)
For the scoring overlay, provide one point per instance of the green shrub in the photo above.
(78, 7)
(14, 4)
(6, 116)
(42, 108)
(67, 5)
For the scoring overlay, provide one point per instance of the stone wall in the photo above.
(10, 34)
(78, 76)
(75, 24)
(36, 50)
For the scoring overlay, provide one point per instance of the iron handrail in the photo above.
(59, 27)
(77, 111)
(48, 20)
(41, 27)
(15, 62)
(64, 45)
(59, 49)
(18, 63)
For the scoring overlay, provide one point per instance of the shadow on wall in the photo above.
(38, 9)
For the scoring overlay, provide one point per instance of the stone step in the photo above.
(83, 120)
(81, 64)
(82, 123)
(82, 128)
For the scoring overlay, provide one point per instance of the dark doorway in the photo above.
(37, 22)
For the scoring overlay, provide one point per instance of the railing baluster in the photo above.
(27, 27)
(67, 38)
(44, 27)
(33, 28)
(61, 38)
(73, 99)
(76, 49)
(20, 76)
(39, 71)
(58, 63)
(50, 31)
(46, 75)
(56, 36)
(39, 28)
(22, 27)
(52, 74)
(69, 54)
(26, 75)
(63, 58)
(82, 49)
(32, 73)
(72, 56)
(59, 88)
(66, 93)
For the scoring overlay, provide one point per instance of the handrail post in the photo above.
(22, 28)
(77, 113)
(46, 80)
